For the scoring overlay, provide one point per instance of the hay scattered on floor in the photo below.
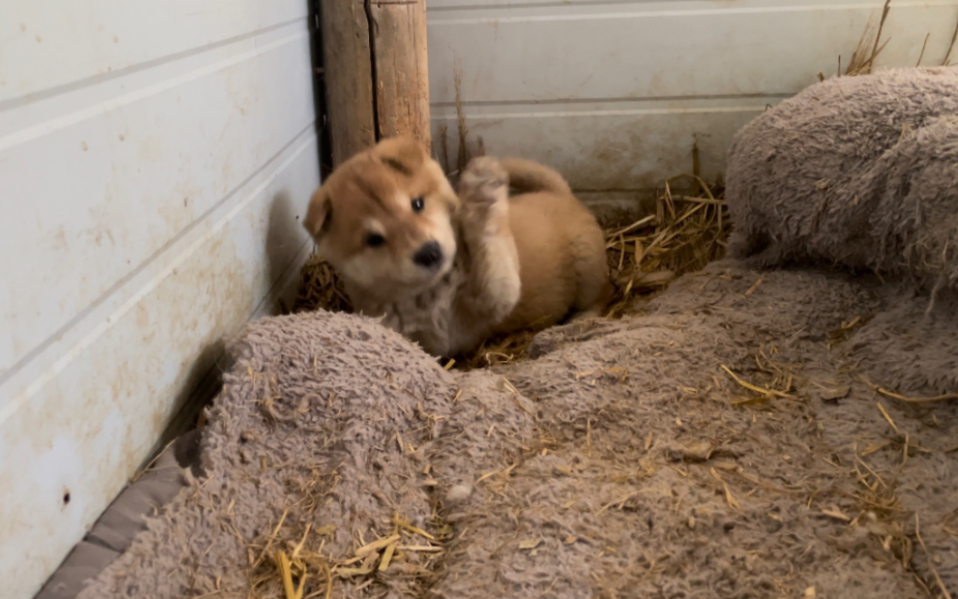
(294, 562)
(321, 288)
(683, 236)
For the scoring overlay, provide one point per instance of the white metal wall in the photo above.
(615, 92)
(154, 160)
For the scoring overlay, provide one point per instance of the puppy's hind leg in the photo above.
(493, 285)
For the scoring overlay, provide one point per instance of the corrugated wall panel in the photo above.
(614, 93)
(49, 46)
(154, 163)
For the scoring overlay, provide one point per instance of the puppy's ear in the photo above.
(403, 154)
(319, 213)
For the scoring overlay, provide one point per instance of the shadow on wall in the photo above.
(199, 387)
(284, 242)
(204, 380)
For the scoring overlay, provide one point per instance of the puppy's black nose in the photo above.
(429, 255)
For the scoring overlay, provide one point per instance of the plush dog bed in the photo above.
(623, 461)
(859, 171)
(773, 433)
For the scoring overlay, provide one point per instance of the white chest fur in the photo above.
(426, 317)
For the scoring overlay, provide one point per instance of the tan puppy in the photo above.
(448, 271)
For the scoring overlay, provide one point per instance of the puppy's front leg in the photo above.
(492, 287)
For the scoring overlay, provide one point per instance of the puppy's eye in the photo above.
(374, 240)
(418, 204)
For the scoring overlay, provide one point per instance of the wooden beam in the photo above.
(376, 69)
(347, 66)
(400, 67)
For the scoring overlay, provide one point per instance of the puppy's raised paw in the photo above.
(484, 181)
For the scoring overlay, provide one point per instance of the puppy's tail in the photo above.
(527, 176)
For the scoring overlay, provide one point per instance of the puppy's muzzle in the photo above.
(429, 255)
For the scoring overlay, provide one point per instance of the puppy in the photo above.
(448, 270)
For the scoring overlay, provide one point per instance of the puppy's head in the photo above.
(383, 218)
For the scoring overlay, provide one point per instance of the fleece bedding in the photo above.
(730, 442)
(781, 424)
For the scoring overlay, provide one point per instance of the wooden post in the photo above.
(401, 68)
(349, 79)
(377, 80)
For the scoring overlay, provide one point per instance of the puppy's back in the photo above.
(562, 259)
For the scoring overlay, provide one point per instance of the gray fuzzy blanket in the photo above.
(858, 171)
(623, 461)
